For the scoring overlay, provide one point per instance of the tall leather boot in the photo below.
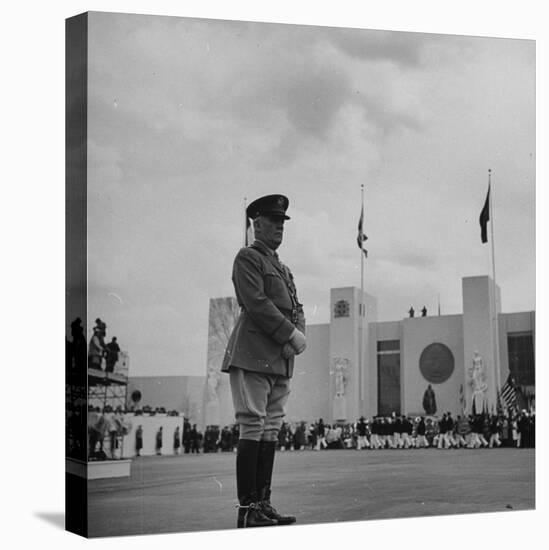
(249, 511)
(265, 463)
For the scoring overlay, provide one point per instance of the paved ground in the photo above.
(196, 493)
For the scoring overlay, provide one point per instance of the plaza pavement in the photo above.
(197, 492)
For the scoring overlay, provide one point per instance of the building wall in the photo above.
(310, 384)
(524, 321)
(417, 334)
(179, 393)
(344, 351)
(313, 384)
(389, 330)
(479, 315)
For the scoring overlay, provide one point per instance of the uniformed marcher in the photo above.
(259, 358)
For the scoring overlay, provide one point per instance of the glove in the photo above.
(298, 341)
(288, 351)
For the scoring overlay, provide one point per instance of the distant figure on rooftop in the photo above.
(411, 312)
(112, 351)
(424, 312)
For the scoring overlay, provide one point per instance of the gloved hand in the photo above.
(288, 351)
(298, 341)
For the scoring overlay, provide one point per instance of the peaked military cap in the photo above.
(269, 205)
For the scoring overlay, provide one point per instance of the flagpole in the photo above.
(495, 320)
(361, 314)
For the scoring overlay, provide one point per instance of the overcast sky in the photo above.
(187, 117)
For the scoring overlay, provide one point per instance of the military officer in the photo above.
(259, 358)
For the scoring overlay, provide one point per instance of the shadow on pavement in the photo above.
(57, 519)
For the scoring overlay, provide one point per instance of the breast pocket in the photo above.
(276, 290)
(274, 285)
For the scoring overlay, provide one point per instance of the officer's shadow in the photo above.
(57, 519)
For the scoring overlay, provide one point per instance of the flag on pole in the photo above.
(361, 236)
(485, 218)
(509, 393)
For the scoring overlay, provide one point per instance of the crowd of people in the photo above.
(506, 429)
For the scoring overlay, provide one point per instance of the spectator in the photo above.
(462, 431)
(176, 441)
(111, 429)
(158, 441)
(187, 436)
(138, 440)
(421, 440)
(111, 354)
(495, 428)
(195, 446)
(362, 441)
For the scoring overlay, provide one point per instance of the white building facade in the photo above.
(466, 358)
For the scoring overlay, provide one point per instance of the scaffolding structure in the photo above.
(107, 389)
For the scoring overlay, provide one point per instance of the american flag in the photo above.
(509, 393)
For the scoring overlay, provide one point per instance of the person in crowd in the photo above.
(112, 350)
(397, 431)
(226, 440)
(312, 436)
(462, 431)
(523, 426)
(138, 440)
(195, 440)
(187, 436)
(514, 430)
(111, 430)
(333, 437)
(495, 431)
(283, 436)
(431, 431)
(375, 441)
(348, 436)
(321, 429)
(407, 429)
(176, 441)
(362, 441)
(158, 442)
(421, 440)
(506, 432)
(532, 428)
(97, 349)
(299, 437)
(450, 427)
(440, 437)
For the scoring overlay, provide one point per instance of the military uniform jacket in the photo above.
(269, 313)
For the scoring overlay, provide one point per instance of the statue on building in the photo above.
(211, 398)
(424, 312)
(477, 380)
(340, 370)
(340, 378)
(429, 401)
(411, 312)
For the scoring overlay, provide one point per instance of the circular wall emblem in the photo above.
(341, 309)
(436, 363)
